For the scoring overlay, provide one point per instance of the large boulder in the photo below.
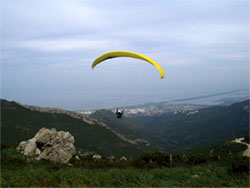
(50, 144)
(30, 147)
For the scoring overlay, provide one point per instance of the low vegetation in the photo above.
(150, 169)
(246, 139)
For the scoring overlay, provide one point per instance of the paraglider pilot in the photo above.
(119, 113)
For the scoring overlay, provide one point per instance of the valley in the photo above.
(175, 128)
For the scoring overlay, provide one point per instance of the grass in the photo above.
(196, 176)
(20, 171)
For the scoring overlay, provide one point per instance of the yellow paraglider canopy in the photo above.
(127, 54)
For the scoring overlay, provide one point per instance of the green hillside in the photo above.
(133, 129)
(168, 132)
(206, 126)
(19, 123)
(225, 148)
(220, 164)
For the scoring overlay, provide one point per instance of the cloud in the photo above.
(66, 44)
(188, 39)
(29, 19)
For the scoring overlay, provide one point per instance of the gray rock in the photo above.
(123, 159)
(21, 146)
(97, 157)
(50, 144)
(43, 135)
(196, 176)
(30, 147)
(38, 152)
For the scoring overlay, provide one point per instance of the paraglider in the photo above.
(127, 54)
(116, 54)
(119, 113)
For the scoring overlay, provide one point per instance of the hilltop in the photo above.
(21, 122)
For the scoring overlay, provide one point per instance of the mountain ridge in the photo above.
(19, 123)
(103, 133)
(80, 116)
(206, 125)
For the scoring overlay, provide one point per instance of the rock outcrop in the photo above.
(50, 144)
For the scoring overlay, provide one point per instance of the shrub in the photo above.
(197, 158)
(88, 162)
(246, 139)
(5, 145)
(140, 163)
(179, 158)
(240, 165)
(152, 160)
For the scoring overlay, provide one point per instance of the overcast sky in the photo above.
(48, 46)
